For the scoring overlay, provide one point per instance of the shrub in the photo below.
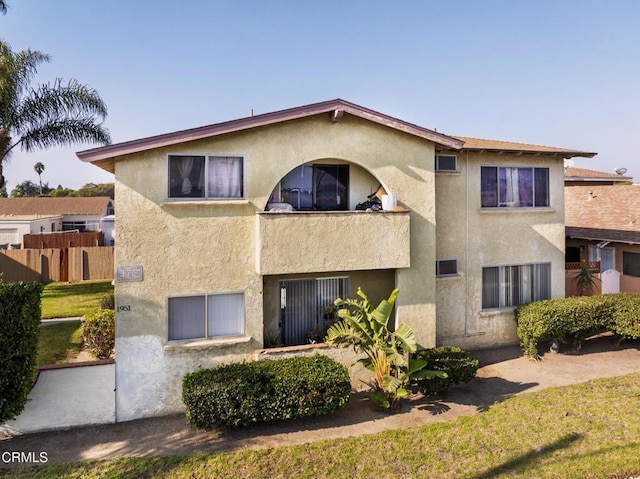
(108, 301)
(459, 365)
(99, 330)
(577, 317)
(19, 330)
(239, 394)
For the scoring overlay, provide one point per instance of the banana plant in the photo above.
(366, 329)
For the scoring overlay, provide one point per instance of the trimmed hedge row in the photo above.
(577, 317)
(239, 394)
(459, 365)
(19, 331)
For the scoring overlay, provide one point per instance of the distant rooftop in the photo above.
(96, 205)
(586, 175)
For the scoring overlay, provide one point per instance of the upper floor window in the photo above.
(314, 187)
(446, 163)
(514, 187)
(205, 176)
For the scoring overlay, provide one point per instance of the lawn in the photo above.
(59, 343)
(65, 300)
(588, 430)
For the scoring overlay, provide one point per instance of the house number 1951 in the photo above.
(124, 307)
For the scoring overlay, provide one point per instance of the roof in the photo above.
(584, 174)
(335, 109)
(96, 205)
(482, 145)
(12, 217)
(603, 212)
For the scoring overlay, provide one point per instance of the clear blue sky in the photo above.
(549, 72)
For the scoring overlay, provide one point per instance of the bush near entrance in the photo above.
(239, 394)
(576, 317)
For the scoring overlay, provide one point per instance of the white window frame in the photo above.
(207, 157)
(207, 297)
(446, 170)
(506, 288)
(439, 261)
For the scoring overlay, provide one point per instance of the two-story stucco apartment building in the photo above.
(238, 236)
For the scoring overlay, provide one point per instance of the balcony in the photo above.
(308, 242)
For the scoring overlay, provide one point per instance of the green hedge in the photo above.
(19, 331)
(99, 333)
(459, 365)
(577, 317)
(239, 394)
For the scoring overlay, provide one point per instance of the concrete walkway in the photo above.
(504, 372)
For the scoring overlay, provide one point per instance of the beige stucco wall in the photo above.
(479, 237)
(196, 247)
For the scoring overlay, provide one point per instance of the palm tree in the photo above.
(3, 6)
(45, 116)
(39, 168)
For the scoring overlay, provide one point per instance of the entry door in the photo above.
(303, 303)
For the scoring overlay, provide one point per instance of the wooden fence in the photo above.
(57, 264)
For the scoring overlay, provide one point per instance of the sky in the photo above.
(563, 73)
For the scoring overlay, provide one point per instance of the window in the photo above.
(606, 256)
(446, 267)
(572, 254)
(514, 187)
(80, 226)
(205, 176)
(631, 263)
(504, 286)
(316, 187)
(206, 316)
(446, 163)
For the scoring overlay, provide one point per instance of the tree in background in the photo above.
(29, 188)
(45, 116)
(101, 189)
(39, 168)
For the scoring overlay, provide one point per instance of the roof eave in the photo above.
(335, 107)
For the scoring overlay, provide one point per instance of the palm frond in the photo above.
(65, 131)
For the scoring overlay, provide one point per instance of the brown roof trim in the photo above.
(480, 145)
(598, 234)
(335, 108)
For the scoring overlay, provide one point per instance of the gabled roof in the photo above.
(335, 109)
(586, 175)
(481, 145)
(96, 205)
(603, 212)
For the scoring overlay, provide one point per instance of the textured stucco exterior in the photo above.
(197, 247)
(478, 237)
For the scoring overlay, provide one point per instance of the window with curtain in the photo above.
(205, 177)
(512, 285)
(512, 187)
(206, 316)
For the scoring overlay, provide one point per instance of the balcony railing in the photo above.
(590, 265)
(301, 242)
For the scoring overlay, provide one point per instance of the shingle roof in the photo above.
(606, 212)
(54, 206)
(584, 174)
(104, 156)
(479, 144)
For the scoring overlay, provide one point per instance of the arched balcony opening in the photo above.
(327, 185)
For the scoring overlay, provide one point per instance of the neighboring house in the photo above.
(603, 225)
(14, 227)
(238, 236)
(584, 177)
(80, 214)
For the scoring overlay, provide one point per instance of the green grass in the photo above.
(59, 343)
(65, 300)
(589, 430)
